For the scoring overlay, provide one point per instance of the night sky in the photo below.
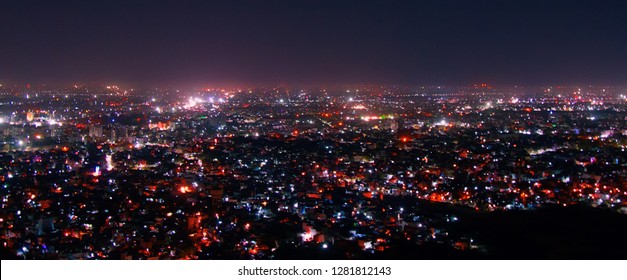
(234, 42)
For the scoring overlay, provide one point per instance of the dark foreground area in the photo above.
(576, 232)
(573, 232)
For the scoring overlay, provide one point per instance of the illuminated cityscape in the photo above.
(264, 173)
(330, 130)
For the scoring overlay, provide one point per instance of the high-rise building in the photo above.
(95, 131)
(216, 195)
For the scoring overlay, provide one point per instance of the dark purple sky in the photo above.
(314, 41)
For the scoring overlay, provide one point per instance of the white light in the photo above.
(442, 123)
(21, 143)
(97, 172)
(109, 161)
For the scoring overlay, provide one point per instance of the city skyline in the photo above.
(358, 172)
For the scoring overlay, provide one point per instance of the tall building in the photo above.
(216, 195)
(114, 135)
(95, 131)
